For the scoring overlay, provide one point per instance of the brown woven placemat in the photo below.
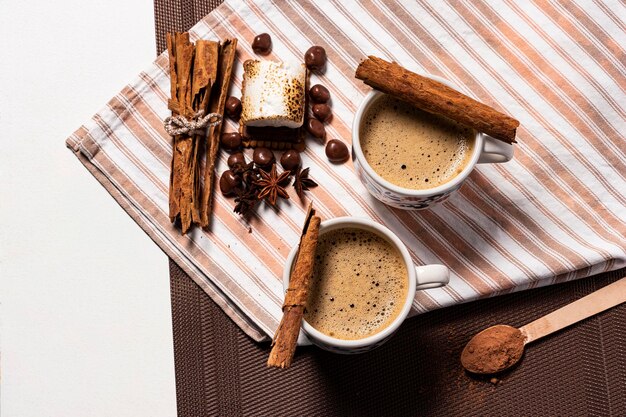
(221, 372)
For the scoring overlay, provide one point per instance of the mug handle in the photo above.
(431, 276)
(495, 151)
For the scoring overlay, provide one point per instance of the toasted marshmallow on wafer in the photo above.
(273, 93)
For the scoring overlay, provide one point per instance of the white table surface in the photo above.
(84, 294)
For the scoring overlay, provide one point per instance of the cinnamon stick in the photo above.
(286, 337)
(173, 105)
(204, 78)
(435, 97)
(227, 53)
(181, 53)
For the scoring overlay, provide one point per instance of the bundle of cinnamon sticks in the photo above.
(200, 76)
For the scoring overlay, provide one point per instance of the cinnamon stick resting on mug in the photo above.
(435, 97)
(286, 337)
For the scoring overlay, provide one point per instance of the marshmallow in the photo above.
(273, 94)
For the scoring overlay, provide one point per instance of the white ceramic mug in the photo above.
(419, 278)
(486, 150)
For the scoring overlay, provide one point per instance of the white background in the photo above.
(85, 309)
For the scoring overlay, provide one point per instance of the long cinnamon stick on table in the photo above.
(284, 343)
(435, 97)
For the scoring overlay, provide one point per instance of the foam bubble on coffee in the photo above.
(412, 148)
(359, 284)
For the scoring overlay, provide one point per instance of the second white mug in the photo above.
(419, 278)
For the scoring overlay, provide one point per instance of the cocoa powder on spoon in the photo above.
(493, 350)
(499, 347)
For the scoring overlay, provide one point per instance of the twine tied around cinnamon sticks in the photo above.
(180, 125)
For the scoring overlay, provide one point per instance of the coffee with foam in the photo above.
(359, 284)
(412, 148)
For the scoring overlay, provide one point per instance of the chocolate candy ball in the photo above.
(236, 158)
(290, 160)
(316, 128)
(233, 107)
(262, 44)
(337, 151)
(315, 58)
(322, 111)
(231, 141)
(319, 93)
(229, 182)
(263, 157)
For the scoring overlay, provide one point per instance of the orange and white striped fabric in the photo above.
(557, 212)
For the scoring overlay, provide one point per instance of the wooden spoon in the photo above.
(499, 347)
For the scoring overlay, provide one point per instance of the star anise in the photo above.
(240, 169)
(246, 200)
(246, 196)
(302, 182)
(271, 187)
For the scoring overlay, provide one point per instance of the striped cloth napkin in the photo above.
(557, 212)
